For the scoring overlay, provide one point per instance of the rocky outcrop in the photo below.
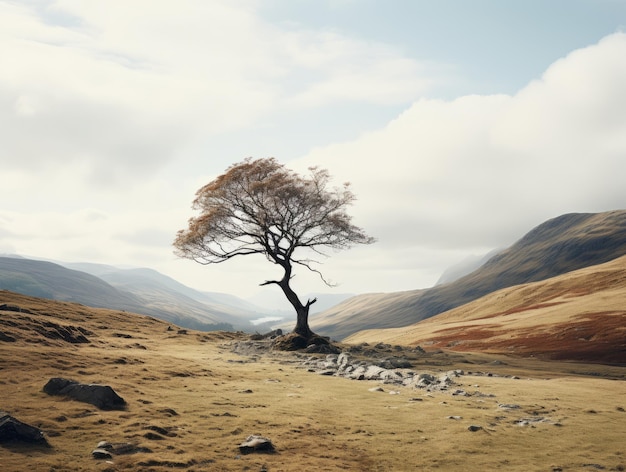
(345, 365)
(102, 396)
(13, 430)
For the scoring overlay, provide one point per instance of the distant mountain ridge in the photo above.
(145, 282)
(559, 245)
(142, 291)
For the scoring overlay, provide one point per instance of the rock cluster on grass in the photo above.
(392, 371)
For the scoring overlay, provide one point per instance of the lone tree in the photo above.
(260, 207)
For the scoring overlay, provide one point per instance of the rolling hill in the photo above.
(560, 245)
(139, 291)
(160, 290)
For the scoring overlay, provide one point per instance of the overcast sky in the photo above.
(461, 125)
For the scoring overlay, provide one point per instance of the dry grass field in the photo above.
(192, 401)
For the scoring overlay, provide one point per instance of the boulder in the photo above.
(106, 450)
(256, 443)
(343, 360)
(13, 430)
(101, 396)
(101, 454)
(373, 372)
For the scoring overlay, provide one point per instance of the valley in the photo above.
(191, 401)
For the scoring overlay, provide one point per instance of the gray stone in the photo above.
(391, 377)
(509, 406)
(343, 360)
(101, 396)
(13, 430)
(327, 372)
(426, 378)
(373, 372)
(101, 454)
(120, 448)
(256, 443)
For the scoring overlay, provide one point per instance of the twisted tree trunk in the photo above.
(302, 310)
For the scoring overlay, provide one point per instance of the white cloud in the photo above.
(127, 86)
(106, 108)
(352, 70)
(480, 171)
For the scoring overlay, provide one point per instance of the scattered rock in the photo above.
(101, 396)
(473, 428)
(271, 335)
(101, 454)
(70, 334)
(344, 365)
(106, 450)
(296, 342)
(509, 406)
(256, 443)
(13, 430)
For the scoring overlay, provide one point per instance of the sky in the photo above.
(460, 125)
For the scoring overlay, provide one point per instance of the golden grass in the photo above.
(193, 387)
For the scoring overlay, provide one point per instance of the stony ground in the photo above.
(193, 398)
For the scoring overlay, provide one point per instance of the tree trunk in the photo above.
(302, 322)
(302, 311)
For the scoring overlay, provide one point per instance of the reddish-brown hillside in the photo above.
(557, 246)
(578, 316)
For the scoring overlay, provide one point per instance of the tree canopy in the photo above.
(261, 207)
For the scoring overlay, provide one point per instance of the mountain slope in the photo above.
(53, 281)
(160, 290)
(580, 315)
(49, 280)
(138, 276)
(568, 242)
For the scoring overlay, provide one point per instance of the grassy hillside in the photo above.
(192, 401)
(560, 245)
(575, 316)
